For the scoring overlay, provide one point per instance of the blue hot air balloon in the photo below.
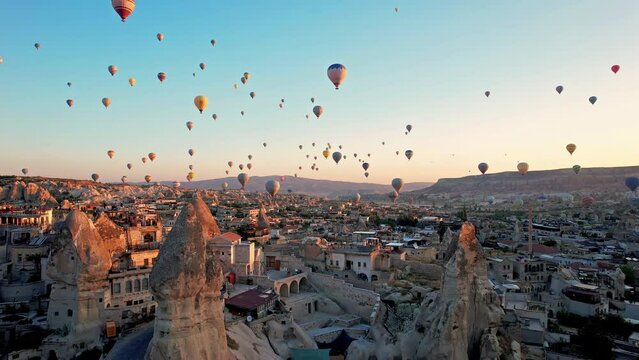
(632, 183)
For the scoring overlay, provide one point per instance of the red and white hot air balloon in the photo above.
(124, 8)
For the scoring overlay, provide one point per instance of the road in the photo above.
(133, 346)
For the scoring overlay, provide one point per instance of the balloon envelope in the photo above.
(243, 178)
(571, 148)
(592, 99)
(559, 89)
(632, 183)
(337, 74)
(397, 184)
(201, 102)
(272, 187)
(522, 167)
(483, 167)
(318, 111)
(615, 68)
(124, 8)
(409, 154)
(576, 169)
(337, 156)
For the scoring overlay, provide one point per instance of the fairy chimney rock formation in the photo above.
(186, 281)
(460, 323)
(263, 222)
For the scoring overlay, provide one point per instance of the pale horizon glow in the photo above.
(427, 66)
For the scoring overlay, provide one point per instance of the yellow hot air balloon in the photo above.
(201, 102)
(106, 102)
(326, 153)
(522, 167)
(571, 148)
(147, 178)
(131, 81)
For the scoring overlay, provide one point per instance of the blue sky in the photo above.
(427, 65)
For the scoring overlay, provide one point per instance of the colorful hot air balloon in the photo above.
(632, 183)
(559, 89)
(161, 77)
(201, 102)
(144, 160)
(246, 76)
(337, 156)
(2, 61)
(129, 166)
(326, 153)
(252, 94)
(615, 68)
(337, 74)
(318, 111)
(95, 177)
(365, 166)
(483, 167)
(576, 169)
(25, 171)
(70, 102)
(571, 148)
(147, 178)
(397, 184)
(213, 42)
(111, 154)
(522, 167)
(243, 178)
(592, 99)
(202, 66)
(214, 116)
(191, 152)
(124, 8)
(152, 156)
(272, 187)
(132, 81)
(113, 70)
(124, 179)
(190, 176)
(160, 36)
(409, 127)
(189, 125)
(409, 154)
(106, 102)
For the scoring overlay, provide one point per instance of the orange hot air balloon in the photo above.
(571, 148)
(160, 36)
(147, 178)
(161, 77)
(70, 102)
(111, 154)
(106, 102)
(131, 81)
(124, 8)
(201, 102)
(326, 153)
(113, 70)
(522, 167)
(152, 156)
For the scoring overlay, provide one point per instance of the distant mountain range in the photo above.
(545, 181)
(328, 188)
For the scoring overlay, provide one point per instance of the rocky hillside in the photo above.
(560, 180)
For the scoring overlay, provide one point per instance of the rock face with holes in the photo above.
(78, 265)
(460, 322)
(186, 281)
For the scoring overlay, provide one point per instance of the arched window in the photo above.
(145, 284)
(129, 287)
(136, 285)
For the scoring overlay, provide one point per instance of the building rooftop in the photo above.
(251, 299)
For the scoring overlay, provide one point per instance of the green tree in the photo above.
(629, 271)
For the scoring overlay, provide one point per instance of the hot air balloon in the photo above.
(225, 186)
(339, 146)
(632, 183)
(113, 70)
(152, 156)
(300, 146)
(201, 102)
(124, 8)
(37, 46)
(236, 86)
(571, 148)
(252, 94)
(365, 166)
(191, 152)
(299, 168)
(592, 99)
(487, 93)
(397, 152)
(70, 102)
(124, 179)
(409, 154)
(189, 125)
(307, 116)
(397, 184)
(161, 77)
(559, 89)
(2, 61)
(576, 169)
(368, 155)
(242, 112)
(393, 195)
(176, 184)
(491, 199)
(160, 36)
(281, 105)
(247, 75)
(356, 198)
(243, 81)
(214, 116)
(615, 68)
(68, 84)
(227, 172)
(190, 176)
(522, 167)
(355, 155)
(483, 167)
(326, 153)
(25, 171)
(132, 81)
(318, 111)
(337, 74)
(106, 102)
(307, 156)
(313, 100)
(95, 177)
(249, 166)
(129, 166)
(272, 187)
(587, 201)
(243, 178)
(264, 144)
(111, 154)
(337, 156)
(190, 167)
(213, 42)
(144, 160)
(147, 178)
(409, 127)
(202, 66)
(366, 174)
(250, 157)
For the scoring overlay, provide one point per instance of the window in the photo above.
(129, 286)
(145, 284)
(364, 265)
(19, 257)
(146, 262)
(69, 312)
(136, 285)
(337, 262)
(116, 288)
(56, 313)
(359, 264)
(129, 303)
(148, 238)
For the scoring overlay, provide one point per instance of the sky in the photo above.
(427, 65)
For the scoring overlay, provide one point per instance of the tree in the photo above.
(629, 271)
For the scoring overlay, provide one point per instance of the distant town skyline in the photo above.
(427, 65)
